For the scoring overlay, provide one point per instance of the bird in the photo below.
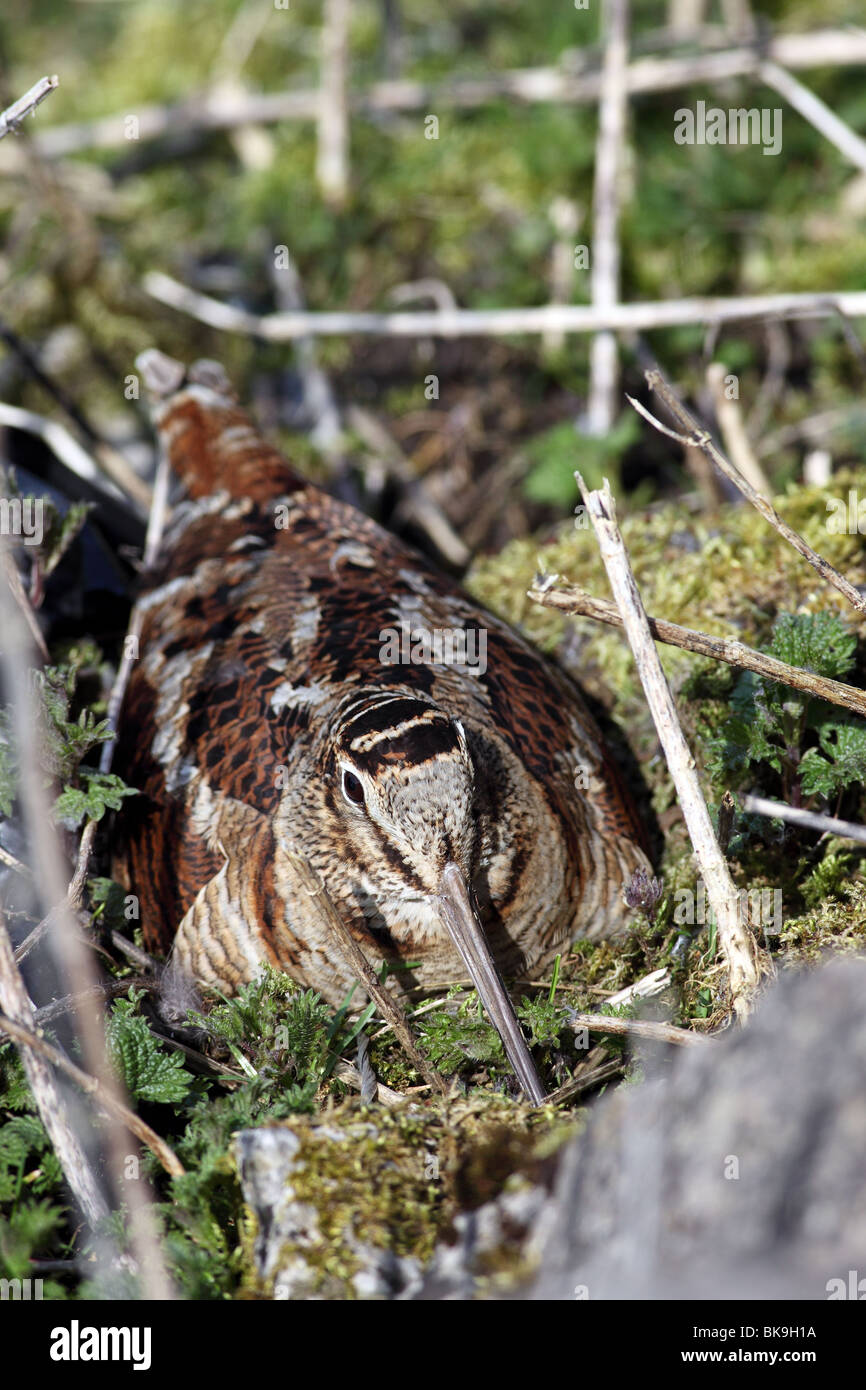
(307, 683)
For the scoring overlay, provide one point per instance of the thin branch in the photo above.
(135, 953)
(816, 112)
(418, 505)
(609, 151)
(16, 589)
(70, 1002)
(637, 1028)
(11, 118)
(332, 157)
(111, 461)
(566, 216)
(733, 430)
(568, 598)
(811, 820)
(385, 1002)
(73, 960)
(586, 1081)
(13, 863)
(647, 987)
(75, 891)
(210, 110)
(814, 429)
(72, 901)
(736, 942)
(457, 323)
(701, 440)
(50, 1103)
(26, 1038)
(56, 436)
(153, 540)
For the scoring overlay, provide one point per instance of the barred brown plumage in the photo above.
(437, 798)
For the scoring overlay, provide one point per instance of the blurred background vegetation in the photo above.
(474, 209)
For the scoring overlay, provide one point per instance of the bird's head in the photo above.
(402, 785)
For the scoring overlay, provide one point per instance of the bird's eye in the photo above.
(352, 789)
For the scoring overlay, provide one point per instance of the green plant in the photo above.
(149, 1070)
(557, 452)
(64, 741)
(459, 1038)
(815, 748)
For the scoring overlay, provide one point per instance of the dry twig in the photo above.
(811, 820)
(586, 1080)
(702, 440)
(457, 323)
(737, 943)
(11, 118)
(733, 430)
(52, 1108)
(210, 110)
(568, 598)
(332, 155)
(637, 1028)
(609, 151)
(816, 112)
(72, 957)
(26, 1038)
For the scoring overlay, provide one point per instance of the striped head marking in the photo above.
(403, 782)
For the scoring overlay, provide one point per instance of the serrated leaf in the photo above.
(840, 761)
(821, 643)
(101, 792)
(150, 1072)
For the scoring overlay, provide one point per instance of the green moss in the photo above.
(730, 574)
(395, 1180)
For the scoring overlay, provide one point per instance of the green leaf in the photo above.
(24, 1144)
(557, 452)
(840, 761)
(821, 643)
(150, 1072)
(101, 792)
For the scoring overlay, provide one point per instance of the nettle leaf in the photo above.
(767, 721)
(102, 791)
(819, 642)
(109, 902)
(149, 1070)
(451, 1040)
(750, 734)
(64, 741)
(840, 761)
(275, 1028)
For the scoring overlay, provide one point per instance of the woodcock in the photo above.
(308, 683)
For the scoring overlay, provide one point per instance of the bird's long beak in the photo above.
(459, 916)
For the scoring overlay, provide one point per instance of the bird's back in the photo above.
(271, 607)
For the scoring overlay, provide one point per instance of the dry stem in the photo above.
(737, 943)
(11, 118)
(701, 439)
(456, 323)
(638, 1028)
(568, 598)
(811, 820)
